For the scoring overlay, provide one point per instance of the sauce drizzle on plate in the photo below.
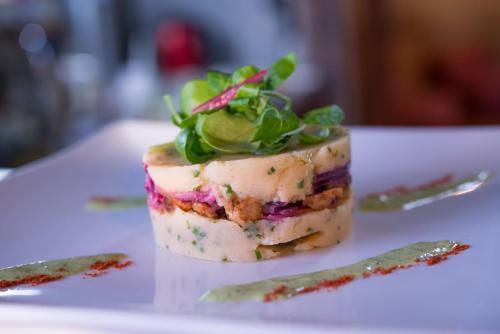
(405, 198)
(429, 253)
(41, 272)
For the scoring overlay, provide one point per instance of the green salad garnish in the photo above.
(241, 112)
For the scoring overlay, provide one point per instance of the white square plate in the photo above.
(43, 216)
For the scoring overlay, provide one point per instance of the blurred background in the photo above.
(68, 67)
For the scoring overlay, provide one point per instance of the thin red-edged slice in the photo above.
(226, 96)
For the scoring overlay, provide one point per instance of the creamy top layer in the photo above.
(286, 177)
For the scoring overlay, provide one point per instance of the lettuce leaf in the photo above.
(241, 112)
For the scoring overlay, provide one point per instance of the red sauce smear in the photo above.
(402, 189)
(99, 268)
(275, 294)
(105, 199)
(440, 258)
(31, 279)
(334, 284)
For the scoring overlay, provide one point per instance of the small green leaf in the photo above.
(300, 184)
(248, 91)
(195, 93)
(281, 70)
(250, 107)
(271, 170)
(245, 106)
(325, 116)
(177, 118)
(189, 121)
(284, 98)
(196, 173)
(261, 104)
(314, 134)
(218, 81)
(243, 73)
(272, 148)
(273, 124)
(225, 132)
(240, 104)
(189, 145)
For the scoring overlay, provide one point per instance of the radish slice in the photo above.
(226, 96)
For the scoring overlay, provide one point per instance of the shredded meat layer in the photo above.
(245, 210)
(205, 210)
(323, 199)
(185, 206)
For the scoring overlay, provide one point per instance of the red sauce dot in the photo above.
(336, 283)
(31, 279)
(273, 295)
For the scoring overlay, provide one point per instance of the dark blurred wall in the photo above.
(431, 62)
(67, 67)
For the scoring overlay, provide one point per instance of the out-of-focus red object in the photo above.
(178, 45)
(475, 73)
(461, 86)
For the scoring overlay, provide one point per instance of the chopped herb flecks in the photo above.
(309, 230)
(196, 173)
(229, 190)
(178, 237)
(253, 231)
(271, 171)
(199, 233)
(300, 184)
(188, 225)
(193, 242)
(225, 259)
(258, 255)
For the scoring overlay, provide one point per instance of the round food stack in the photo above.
(249, 208)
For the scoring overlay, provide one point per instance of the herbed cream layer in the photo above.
(190, 234)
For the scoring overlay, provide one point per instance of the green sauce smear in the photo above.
(62, 267)
(115, 203)
(294, 285)
(413, 198)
